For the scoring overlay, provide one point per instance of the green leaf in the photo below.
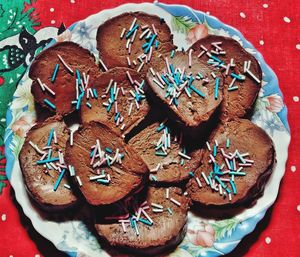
(14, 17)
(182, 24)
(2, 185)
(224, 227)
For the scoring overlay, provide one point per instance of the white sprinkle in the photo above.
(175, 201)
(147, 216)
(230, 197)
(168, 66)
(157, 205)
(103, 65)
(97, 177)
(296, 99)
(243, 15)
(253, 76)
(205, 178)
(268, 240)
(203, 48)
(144, 33)
(41, 84)
(157, 210)
(71, 137)
(122, 33)
(154, 29)
(265, 5)
(190, 58)
(71, 170)
(232, 82)
(167, 193)
(158, 83)
(140, 67)
(128, 61)
(133, 36)
(293, 168)
(3, 217)
(287, 19)
(132, 24)
(220, 189)
(208, 146)
(127, 43)
(130, 109)
(123, 126)
(67, 186)
(152, 71)
(198, 182)
(65, 64)
(261, 42)
(184, 155)
(79, 180)
(35, 147)
(48, 89)
(227, 69)
(129, 77)
(213, 75)
(109, 86)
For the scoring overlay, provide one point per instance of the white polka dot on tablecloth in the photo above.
(10, 256)
(52, 21)
(208, 13)
(265, 5)
(293, 168)
(287, 19)
(37, 255)
(261, 42)
(296, 98)
(298, 208)
(51, 9)
(243, 15)
(3, 217)
(268, 240)
(72, 1)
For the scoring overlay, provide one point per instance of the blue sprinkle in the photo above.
(215, 150)
(236, 76)
(149, 44)
(107, 149)
(95, 93)
(172, 68)
(191, 174)
(117, 116)
(109, 108)
(78, 77)
(92, 153)
(217, 88)
(172, 53)
(59, 179)
(130, 32)
(46, 101)
(50, 137)
(197, 91)
(49, 153)
(147, 222)
(233, 186)
(216, 59)
(47, 160)
(156, 44)
(55, 73)
(88, 104)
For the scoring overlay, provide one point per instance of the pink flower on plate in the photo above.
(22, 125)
(197, 32)
(275, 103)
(202, 234)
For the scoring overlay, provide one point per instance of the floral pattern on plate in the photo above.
(204, 237)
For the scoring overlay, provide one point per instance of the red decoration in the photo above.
(276, 39)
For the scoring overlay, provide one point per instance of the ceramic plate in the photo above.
(205, 237)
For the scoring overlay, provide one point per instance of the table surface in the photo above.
(274, 29)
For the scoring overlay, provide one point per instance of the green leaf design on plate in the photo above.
(182, 24)
(225, 227)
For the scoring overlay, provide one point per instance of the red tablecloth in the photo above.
(278, 39)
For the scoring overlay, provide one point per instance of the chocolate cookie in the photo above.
(105, 169)
(155, 226)
(241, 71)
(120, 102)
(60, 76)
(187, 87)
(138, 41)
(42, 164)
(235, 167)
(164, 153)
